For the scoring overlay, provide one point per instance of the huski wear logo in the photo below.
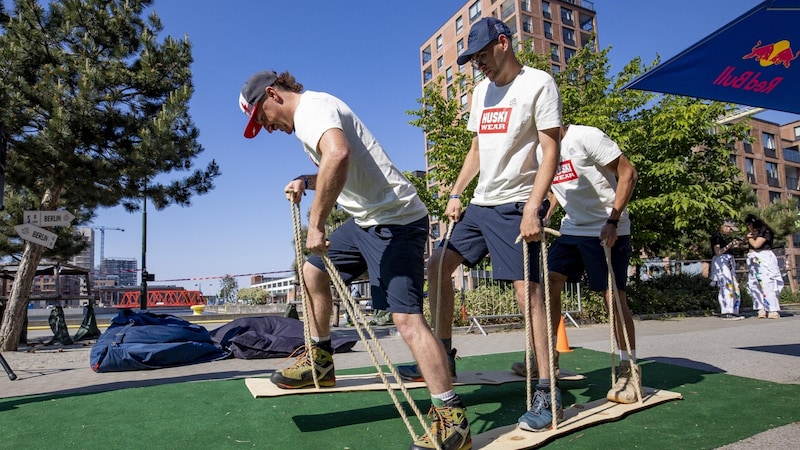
(565, 172)
(495, 120)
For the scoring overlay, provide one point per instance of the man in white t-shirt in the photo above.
(513, 109)
(594, 183)
(385, 237)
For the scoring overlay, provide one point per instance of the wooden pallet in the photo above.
(263, 387)
(577, 417)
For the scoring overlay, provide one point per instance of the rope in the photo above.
(298, 258)
(528, 328)
(361, 325)
(614, 292)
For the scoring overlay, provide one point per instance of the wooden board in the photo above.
(575, 418)
(263, 387)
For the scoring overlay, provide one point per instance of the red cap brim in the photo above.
(253, 127)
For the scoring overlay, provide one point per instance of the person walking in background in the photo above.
(723, 270)
(513, 109)
(385, 237)
(764, 279)
(593, 184)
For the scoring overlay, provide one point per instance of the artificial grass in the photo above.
(717, 409)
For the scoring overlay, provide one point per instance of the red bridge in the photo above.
(174, 298)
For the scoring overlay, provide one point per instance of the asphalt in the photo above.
(763, 349)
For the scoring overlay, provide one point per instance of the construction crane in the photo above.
(103, 244)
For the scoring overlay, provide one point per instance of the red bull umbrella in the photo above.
(753, 60)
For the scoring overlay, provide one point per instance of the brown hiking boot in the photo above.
(450, 428)
(626, 390)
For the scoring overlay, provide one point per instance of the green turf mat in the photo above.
(717, 409)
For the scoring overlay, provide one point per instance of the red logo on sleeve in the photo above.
(495, 120)
(565, 172)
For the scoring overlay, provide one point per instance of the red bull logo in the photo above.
(773, 54)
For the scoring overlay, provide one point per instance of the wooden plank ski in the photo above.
(263, 387)
(575, 418)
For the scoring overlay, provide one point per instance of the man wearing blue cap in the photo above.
(385, 237)
(514, 109)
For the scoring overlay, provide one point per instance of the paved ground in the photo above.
(763, 349)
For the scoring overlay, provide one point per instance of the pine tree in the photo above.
(96, 109)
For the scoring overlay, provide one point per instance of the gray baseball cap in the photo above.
(252, 91)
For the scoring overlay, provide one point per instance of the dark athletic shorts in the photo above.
(393, 255)
(572, 255)
(494, 230)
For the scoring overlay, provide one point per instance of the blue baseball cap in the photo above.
(484, 31)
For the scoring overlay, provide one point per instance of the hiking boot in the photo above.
(625, 390)
(298, 375)
(519, 368)
(411, 372)
(540, 416)
(449, 427)
(774, 315)
(762, 314)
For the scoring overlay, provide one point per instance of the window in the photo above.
(568, 54)
(460, 46)
(554, 52)
(566, 16)
(439, 43)
(507, 10)
(546, 10)
(527, 24)
(548, 30)
(459, 24)
(477, 75)
(774, 197)
(585, 22)
(555, 68)
(475, 11)
(449, 74)
(525, 6)
(748, 147)
(440, 63)
(772, 174)
(792, 178)
(796, 133)
(791, 154)
(749, 170)
(464, 102)
(427, 74)
(768, 141)
(569, 36)
(426, 55)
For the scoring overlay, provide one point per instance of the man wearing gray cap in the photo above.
(385, 237)
(513, 109)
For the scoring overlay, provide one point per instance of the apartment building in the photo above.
(770, 161)
(557, 28)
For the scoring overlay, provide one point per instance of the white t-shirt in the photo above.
(584, 187)
(376, 192)
(508, 119)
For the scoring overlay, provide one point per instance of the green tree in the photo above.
(229, 288)
(96, 108)
(252, 295)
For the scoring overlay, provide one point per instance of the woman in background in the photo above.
(723, 270)
(764, 280)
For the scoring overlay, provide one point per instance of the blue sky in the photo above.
(367, 53)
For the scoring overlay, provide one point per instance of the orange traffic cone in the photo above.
(562, 344)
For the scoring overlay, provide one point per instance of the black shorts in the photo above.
(394, 256)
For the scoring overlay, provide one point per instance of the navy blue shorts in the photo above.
(394, 256)
(572, 255)
(494, 230)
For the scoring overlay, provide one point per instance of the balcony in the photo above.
(508, 11)
(773, 181)
(751, 177)
(770, 152)
(792, 183)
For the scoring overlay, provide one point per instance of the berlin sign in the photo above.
(48, 218)
(36, 235)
